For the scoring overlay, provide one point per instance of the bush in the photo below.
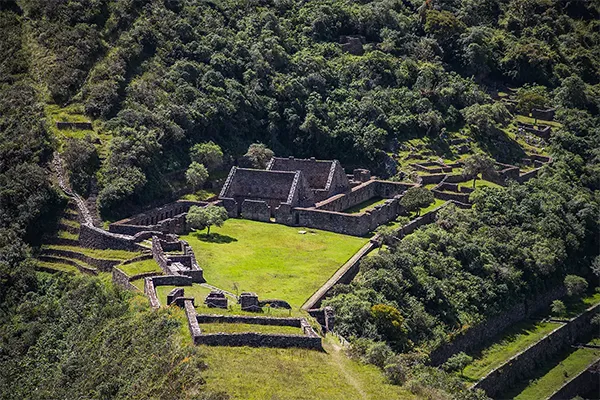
(558, 308)
(576, 285)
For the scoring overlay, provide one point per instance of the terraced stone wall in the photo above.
(522, 366)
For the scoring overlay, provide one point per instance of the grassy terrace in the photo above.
(511, 342)
(365, 205)
(238, 328)
(95, 253)
(478, 184)
(552, 379)
(273, 260)
(140, 267)
(294, 374)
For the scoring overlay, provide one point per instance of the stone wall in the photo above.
(122, 280)
(588, 381)
(460, 197)
(429, 179)
(244, 319)
(74, 125)
(253, 339)
(523, 365)
(256, 210)
(350, 224)
(547, 114)
(529, 175)
(101, 264)
(96, 238)
(478, 335)
(153, 216)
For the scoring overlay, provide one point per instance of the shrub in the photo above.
(558, 308)
(576, 285)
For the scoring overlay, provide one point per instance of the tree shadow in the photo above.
(215, 238)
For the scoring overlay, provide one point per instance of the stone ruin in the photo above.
(311, 193)
(216, 299)
(176, 257)
(249, 302)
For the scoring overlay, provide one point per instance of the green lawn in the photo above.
(57, 266)
(140, 267)
(515, 340)
(236, 328)
(529, 120)
(96, 253)
(570, 366)
(478, 184)
(67, 235)
(273, 260)
(248, 373)
(365, 205)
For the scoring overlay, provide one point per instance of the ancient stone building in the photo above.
(257, 194)
(324, 177)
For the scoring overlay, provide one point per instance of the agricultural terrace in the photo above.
(554, 377)
(273, 260)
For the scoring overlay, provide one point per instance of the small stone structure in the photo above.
(175, 293)
(542, 131)
(181, 263)
(249, 302)
(546, 115)
(216, 300)
(353, 44)
(74, 125)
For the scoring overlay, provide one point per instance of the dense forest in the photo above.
(159, 76)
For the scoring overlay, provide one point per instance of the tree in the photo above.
(458, 362)
(209, 154)
(387, 235)
(82, 162)
(416, 198)
(196, 175)
(558, 308)
(205, 217)
(259, 155)
(478, 164)
(576, 285)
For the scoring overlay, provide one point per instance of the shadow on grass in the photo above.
(215, 238)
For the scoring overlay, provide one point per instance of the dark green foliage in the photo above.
(416, 198)
(458, 362)
(517, 242)
(77, 337)
(576, 285)
(209, 154)
(82, 162)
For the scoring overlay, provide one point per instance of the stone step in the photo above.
(68, 228)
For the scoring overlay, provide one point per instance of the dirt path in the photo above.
(339, 359)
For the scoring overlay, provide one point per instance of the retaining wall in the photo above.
(253, 339)
(96, 238)
(478, 335)
(242, 319)
(101, 264)
(587, 381)
(523, 365)
(74, 125)
(122, 280)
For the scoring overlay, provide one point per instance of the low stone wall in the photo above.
(588, 381)
(74, 125)
(101, 264)
(96, 238)
(150, 291)
(122, 280)
(361, 193)
(243, 319)
(546, 115)
(81, 268)
(529, 175)
(153, 216)
(523, 365)
(478, 335)
(429, 179)
(350, 224)
(460, 197)
(253, 339)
